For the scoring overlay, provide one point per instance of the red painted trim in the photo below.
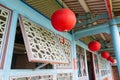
(109, 9)
(75, 63)
(5, 43)
(105, 78)
(25, 39)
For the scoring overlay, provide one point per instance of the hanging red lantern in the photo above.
(105, 54)
(63, 20)
(94, 46)
(109, 58)
(112, 61)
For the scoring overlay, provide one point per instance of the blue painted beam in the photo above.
(74, 57)
(106, 49)
(116, 43)
(102, 28)
(10, 47)
(92, 20)
(119, 29)
(115, 21)
(83, 45)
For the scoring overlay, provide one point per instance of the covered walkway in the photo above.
(31, 49)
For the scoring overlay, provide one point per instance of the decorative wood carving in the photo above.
(42, 45)
(65, 76)
(68, 53)
(33, 77)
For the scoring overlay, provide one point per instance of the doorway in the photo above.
(90, 65)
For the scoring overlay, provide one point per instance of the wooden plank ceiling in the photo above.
(80, 8)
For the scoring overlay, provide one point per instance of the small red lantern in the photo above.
(113, 61)
(63, 20)
(109, 58)
(94, 46)
(105, 54)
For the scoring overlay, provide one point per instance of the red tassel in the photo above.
(63, 40)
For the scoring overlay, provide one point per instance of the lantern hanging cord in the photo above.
(62, 4)
(57, 41)
(63, 39)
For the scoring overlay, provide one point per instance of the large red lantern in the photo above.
(94, 46)
(63, 20)
(105, 54)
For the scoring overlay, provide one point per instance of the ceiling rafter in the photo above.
(62, 3)
(84, 5)
(86, 8)
(103, 37)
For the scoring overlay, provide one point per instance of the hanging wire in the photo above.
(62, 4)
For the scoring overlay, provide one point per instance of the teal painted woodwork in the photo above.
(102, 28)
(74, 57)
(82, 44)
(18, 7)
(92, 20)
(8, 57)
(107, 49)
(116, 41)
(82, 17)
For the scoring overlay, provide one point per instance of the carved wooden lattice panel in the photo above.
(102, 62)
(41, 44)
(81, 63)
(68, 52)
(65, 76)
(31, 77)
(5, 20)
(102, 66)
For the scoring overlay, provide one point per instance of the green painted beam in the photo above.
(92, 20)
(106, 49)
(82, 17)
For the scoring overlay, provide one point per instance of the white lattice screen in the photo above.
(102, 62)
(40, 77)
(42, 45)
(65, 76)
(5, 20)
(81, 63)
(67, 49)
